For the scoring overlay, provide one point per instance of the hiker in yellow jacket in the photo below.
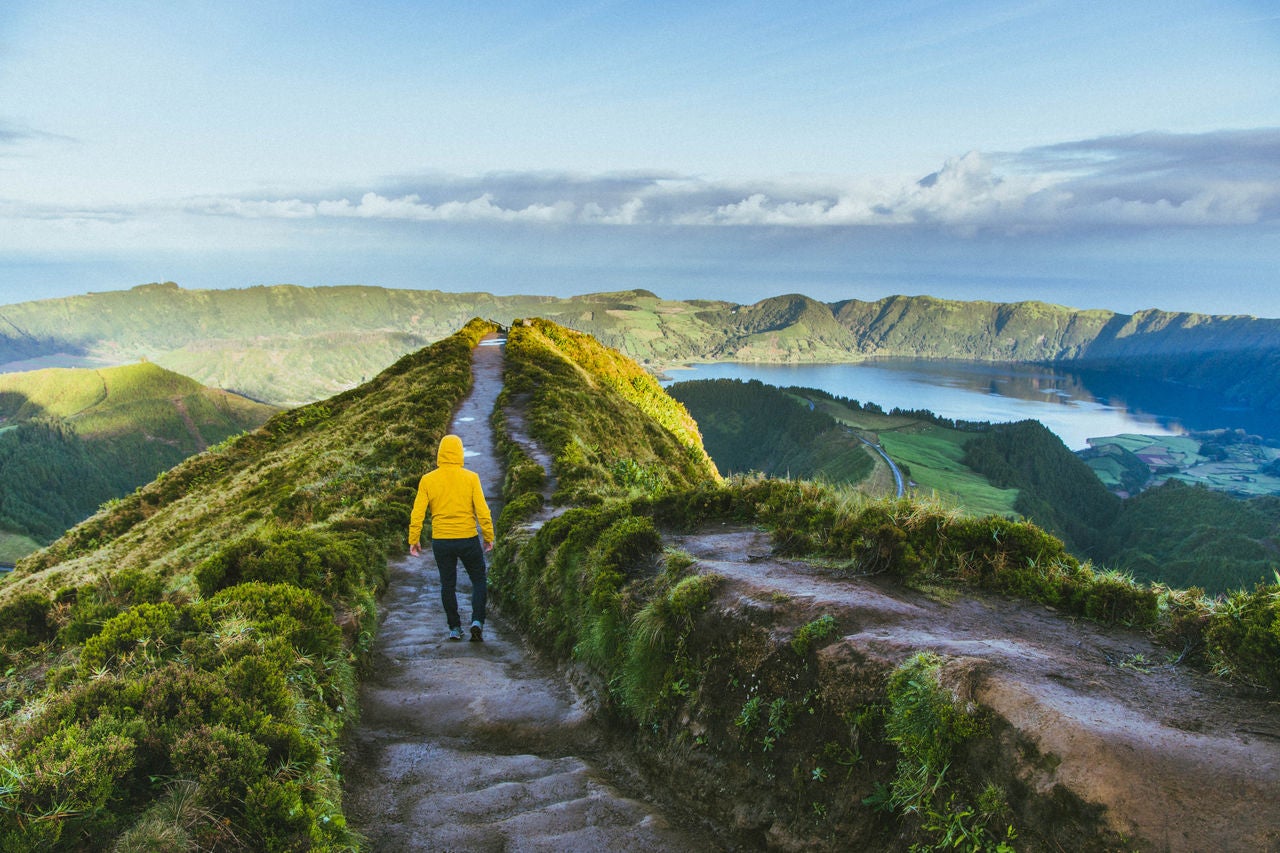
(457, 505)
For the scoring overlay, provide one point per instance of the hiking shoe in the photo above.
(477, 632)
(455, 634)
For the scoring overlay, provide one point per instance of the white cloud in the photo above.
(1143, 181)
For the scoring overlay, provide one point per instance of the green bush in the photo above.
(139, 629)
(517, 511)
(656, 659)
(24, 621)
(297, 616)
(822, 628)
(1243, 636)
(329, 563)
(922, 719)
(73, 779)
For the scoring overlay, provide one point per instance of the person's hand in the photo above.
(488, 546)
(413, 551)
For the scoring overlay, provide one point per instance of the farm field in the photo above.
(1242, 468)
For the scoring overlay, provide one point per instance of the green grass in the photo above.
(56, 391)
(206, 630)
(933, 455)
(15, 546)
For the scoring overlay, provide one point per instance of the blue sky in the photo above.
(1111, 155)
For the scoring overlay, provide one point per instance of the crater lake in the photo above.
(1075, 405)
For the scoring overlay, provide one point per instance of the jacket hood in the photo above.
(450, 452)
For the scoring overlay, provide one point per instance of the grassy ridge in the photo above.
(79, 437)
(608, 424)
(739, 704)
(181, 665)
(340, 334)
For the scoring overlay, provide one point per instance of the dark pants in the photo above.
(447, 553)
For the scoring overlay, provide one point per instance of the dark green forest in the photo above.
(49, 479)
(1055, 488)
(1185, 536)
(750, 426)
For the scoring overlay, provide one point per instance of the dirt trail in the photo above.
(479, 746)
(1176, 757)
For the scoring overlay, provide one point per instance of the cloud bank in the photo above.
(1149, 180)
(1144, 180)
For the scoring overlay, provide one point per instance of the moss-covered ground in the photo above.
(179, 668)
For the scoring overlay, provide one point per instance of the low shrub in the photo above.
(1242, 636)
(822, 628)
(126, 633)
(517, 511)
(25, 621)
(656, 662)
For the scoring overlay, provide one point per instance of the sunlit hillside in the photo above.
(181, 665)
(71, 439)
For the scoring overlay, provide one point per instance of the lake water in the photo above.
(1075, 405)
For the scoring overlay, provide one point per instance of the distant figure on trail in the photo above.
(457, 505)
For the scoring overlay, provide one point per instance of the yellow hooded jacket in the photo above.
(453, 495)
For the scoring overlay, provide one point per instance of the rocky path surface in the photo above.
(1174, 756)
(479, 746)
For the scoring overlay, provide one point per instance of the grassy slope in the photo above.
(714, 690)
(117, 428)
(189, 651)
(934, 456)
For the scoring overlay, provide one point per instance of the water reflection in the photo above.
(1075, 405)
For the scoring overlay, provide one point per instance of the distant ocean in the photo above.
(1172, 272)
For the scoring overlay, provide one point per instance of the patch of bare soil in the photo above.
(1177, 760)
(477, 746)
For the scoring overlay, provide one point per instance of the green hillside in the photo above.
(750, 426)
(338, 336)
(1178, 535)
(1192, 536)
(181, 665)
(725, 695)
(75, 438)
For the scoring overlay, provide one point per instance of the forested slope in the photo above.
(750, 426)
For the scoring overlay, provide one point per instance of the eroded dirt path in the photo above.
(1176, 757)
(478, 746)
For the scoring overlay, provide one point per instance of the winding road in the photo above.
(897, 472)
